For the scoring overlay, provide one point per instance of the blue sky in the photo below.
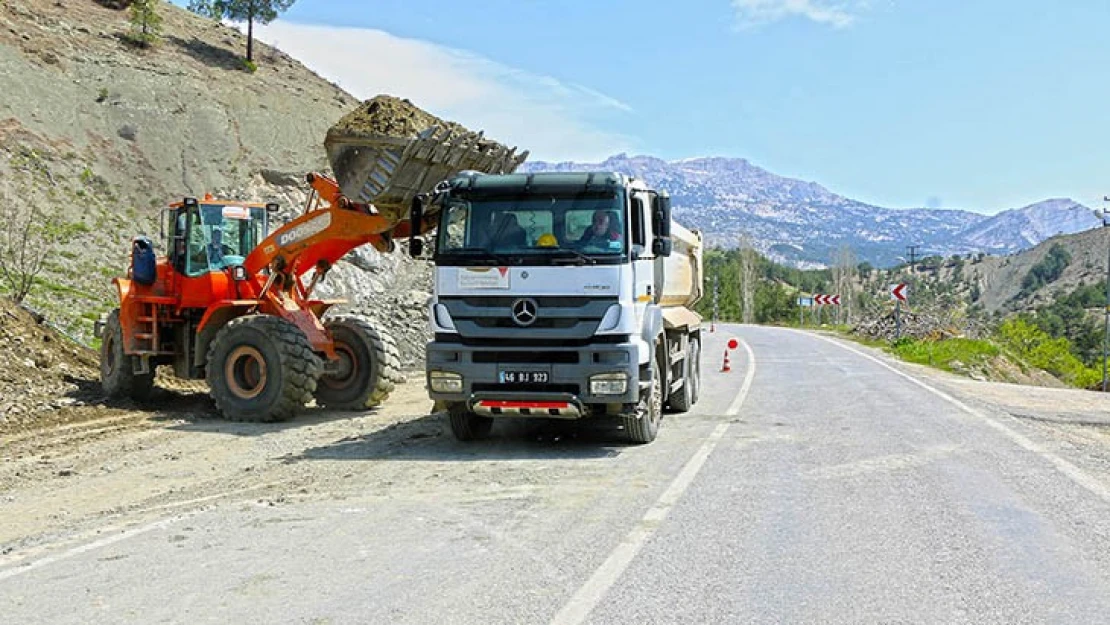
(975, 104)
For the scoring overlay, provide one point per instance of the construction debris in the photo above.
(914, 325)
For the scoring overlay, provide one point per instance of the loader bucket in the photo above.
(388, 151)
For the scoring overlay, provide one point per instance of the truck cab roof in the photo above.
(543, 181)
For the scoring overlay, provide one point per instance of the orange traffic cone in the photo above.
(725, 368)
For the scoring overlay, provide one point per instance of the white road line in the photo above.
(1073, 472)
(103, 542)
(20, 569)
(593, 591)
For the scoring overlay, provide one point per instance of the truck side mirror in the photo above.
(661, 214)
(416, 217)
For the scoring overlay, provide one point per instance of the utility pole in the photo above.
(911, 251)
(1106, 305)
(713, 325)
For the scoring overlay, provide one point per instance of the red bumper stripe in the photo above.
(545, 405)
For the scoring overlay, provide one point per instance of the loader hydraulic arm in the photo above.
(326, 233)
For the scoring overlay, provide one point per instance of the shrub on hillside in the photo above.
(1054, 355)
(954, 354)
(1047, 270)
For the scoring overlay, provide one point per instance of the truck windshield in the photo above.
(542, 228)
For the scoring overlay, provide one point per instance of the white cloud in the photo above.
(555, 120)
(836, 13)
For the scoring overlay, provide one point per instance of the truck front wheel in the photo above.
(643, 424)
(467, 426)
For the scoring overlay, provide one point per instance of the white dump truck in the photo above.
(561, 295)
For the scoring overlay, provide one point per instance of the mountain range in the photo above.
(804, 224)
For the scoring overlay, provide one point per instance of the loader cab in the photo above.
(211, 236)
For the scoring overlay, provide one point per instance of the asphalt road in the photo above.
(813, 483)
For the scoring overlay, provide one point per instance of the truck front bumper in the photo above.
(482, 378)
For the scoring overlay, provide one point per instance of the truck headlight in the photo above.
(609, 384)
(445, 382)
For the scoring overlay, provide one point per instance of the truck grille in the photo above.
(528, 358)
(557, 319)
(573, 389)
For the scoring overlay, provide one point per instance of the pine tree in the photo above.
(146, 24)
(249, 11)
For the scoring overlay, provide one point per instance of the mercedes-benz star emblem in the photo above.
(525, 311)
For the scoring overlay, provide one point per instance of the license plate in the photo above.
(524, 377)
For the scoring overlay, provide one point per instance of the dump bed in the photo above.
(682, 270)
(388, 151)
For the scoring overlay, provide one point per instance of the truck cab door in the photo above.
(644, 289)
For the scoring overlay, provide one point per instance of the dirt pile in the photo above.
(389, 116)
(40, 369)
(388, 151)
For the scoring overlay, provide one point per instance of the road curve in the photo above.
(813, 483)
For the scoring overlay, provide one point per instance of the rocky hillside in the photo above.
(803, 223)
(97, 134)
(998, 279)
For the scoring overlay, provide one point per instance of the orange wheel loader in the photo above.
(233, 304)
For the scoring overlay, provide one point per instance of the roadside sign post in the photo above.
(897, 320)
(821, 300)
(803, 303)
(713, 324)
(898, 294)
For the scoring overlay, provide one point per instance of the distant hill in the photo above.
(802, 223)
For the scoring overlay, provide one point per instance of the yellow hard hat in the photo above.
(547, 240)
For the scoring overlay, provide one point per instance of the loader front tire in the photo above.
(368, 368)
(117, 375)
(261, 368)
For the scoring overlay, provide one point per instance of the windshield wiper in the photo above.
(482, 252)
(579, 257)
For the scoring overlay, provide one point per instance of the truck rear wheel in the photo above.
(695, 369)
(261, 368)
(683, 399)
(643, 424)
(117, 376)
(368, 369)
(467, 426)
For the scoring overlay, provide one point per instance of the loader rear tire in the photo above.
(467, 426)
(117, 376)
(369, 365)
(261, 368)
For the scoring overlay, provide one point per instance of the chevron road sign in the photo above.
(826, 300)
(898, 291)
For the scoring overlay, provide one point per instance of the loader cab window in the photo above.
(219, 236)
